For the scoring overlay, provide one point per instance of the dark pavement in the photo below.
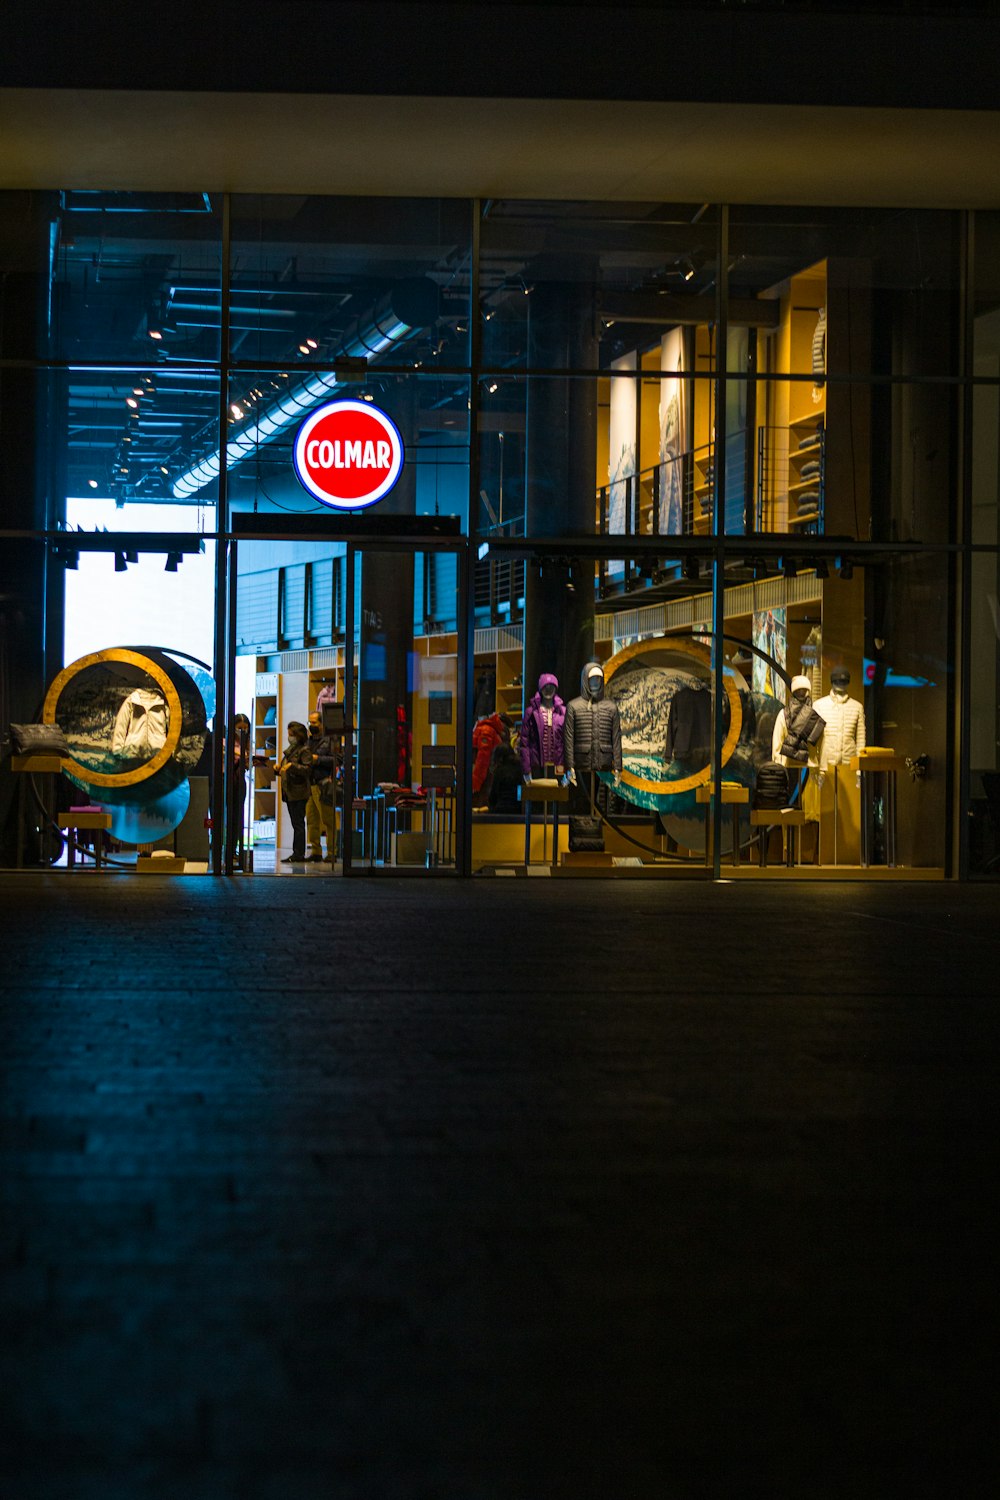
(497, 1190)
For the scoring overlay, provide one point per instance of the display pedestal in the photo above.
(47, 766)
(878, 769)
(549, 792)
(789, 820)
(89, 822)
(734, 796)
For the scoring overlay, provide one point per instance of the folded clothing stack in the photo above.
(811, 440)
(811, 470)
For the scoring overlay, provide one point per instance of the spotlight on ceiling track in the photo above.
(691, 568)
(155, 333)
(92, 483)
(845, 567)
(173, 558)
(121, 566)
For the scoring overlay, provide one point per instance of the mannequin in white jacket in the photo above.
(141, 726)
(844, 735)
(808, 757)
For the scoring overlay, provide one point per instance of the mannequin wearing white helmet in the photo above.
(798, 730)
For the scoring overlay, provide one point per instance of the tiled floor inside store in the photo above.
(497, 1190)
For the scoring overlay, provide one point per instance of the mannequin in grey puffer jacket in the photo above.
(592, 732)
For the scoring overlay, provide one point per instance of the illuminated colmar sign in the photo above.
(348, 454)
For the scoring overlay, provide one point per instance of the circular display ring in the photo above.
(163, 682)
(701, 655)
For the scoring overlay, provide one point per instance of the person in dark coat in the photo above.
(295, 774)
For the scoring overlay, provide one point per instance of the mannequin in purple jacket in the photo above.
(542, 742)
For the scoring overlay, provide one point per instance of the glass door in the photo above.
(405, 749)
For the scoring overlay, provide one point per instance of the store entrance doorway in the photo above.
(370, 660)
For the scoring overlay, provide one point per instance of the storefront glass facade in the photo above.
(744, 460)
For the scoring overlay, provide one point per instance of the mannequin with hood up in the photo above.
(592, 734)
(798, 730)
(541, 742)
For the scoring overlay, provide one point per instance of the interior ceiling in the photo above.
(288, 143)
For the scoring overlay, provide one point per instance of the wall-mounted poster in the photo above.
(621, 447)
(769, 634)
(673, 433)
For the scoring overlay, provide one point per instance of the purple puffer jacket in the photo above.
(533, 731)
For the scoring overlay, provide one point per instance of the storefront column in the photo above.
(387, 620)
(561, 474)
(31, 591)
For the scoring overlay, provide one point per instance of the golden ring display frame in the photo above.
(174, 722)
(702, 655)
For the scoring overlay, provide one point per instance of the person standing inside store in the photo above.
(321, 815)
(295, 774)
(238, 786)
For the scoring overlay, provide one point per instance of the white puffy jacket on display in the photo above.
(844, 735)
(141, 725)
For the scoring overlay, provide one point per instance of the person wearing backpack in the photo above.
(295, 774)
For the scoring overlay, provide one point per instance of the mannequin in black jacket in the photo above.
(592, 736)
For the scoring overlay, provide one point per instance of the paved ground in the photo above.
(501, 1190)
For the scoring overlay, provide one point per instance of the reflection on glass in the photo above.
(852, 292)
(570, 286)
(365, 280)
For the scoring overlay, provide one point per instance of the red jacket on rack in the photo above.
(486, 736)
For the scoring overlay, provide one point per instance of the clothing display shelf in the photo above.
(265, 728)
(500, 649)
(806, 448)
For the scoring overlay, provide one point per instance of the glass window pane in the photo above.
(133, 434)
(583, 285)
(983, 750)
(375, 280)
(872, 462)
(852, 292)
(110, 276)
(132, 690)
(267, 409)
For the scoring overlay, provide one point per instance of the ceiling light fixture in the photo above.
(155, 333)
(132, 402)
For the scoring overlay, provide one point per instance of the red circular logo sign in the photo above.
(348, 454)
